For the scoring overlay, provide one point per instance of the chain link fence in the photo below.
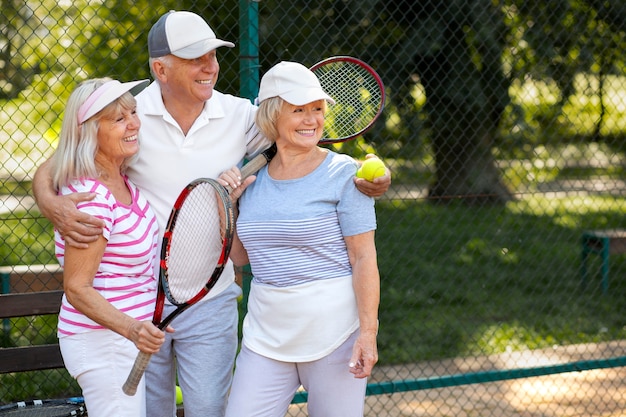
(500, 243)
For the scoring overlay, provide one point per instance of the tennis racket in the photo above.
(68, 407)
(196, 241)
(359, 95)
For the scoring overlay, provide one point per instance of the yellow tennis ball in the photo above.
(179, 395)
(371, 168)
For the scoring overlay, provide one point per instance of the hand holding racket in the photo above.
(195, 248)
(359, 95)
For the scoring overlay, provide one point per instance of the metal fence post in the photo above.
(5, 288)
(249, 49)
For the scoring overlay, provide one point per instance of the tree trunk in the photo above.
(464, 104)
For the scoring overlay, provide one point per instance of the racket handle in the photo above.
(141, 363)
(258, 162)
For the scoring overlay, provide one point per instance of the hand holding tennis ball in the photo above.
(179, 395)
(371, 168)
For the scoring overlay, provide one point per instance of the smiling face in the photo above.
(301, 126)
(188, 80)
(117, 136)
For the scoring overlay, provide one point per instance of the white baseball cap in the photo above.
(294, 83)
(106, 94)
(183, 34)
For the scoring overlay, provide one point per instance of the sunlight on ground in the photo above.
(593, 393)
(578, 394)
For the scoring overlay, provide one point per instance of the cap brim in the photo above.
(137, 86)
(304, 96)
(117, 90)
(196, 50)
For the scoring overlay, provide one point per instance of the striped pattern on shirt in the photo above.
(125, 276)
(291, 252)
(293, 230)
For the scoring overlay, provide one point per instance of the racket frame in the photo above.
(163, 292)
(368, 68)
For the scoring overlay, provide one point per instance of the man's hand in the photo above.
(375, 188)
(76, 227)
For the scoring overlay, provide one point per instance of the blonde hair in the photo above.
(267, 116)
(74, 157)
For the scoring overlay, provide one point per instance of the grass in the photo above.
(462, 282)
(456, 281)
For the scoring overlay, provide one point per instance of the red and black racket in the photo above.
(359, 95)
(195, 249)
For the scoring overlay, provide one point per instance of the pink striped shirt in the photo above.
(126, 275)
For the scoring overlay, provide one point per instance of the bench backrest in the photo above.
(34, 291)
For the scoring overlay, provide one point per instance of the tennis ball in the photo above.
(371, 168)
(179, 395)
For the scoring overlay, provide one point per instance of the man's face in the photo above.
(190, 80)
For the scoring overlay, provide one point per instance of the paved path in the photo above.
(592, 393)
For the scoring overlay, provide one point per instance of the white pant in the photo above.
(101, 361)
(264, 387)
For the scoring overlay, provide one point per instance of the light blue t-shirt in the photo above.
(293, 230)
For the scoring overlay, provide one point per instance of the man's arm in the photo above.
(374, 188)
(77, 228)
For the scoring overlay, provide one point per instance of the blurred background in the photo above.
(504, 129)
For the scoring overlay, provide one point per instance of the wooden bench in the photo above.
(30, 358)
(32, 291)
(603, 243)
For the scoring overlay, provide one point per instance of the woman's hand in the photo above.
(375, 188)
(146, 336)
(231, 179)
(364, 354)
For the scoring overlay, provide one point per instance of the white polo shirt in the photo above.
(220, 138)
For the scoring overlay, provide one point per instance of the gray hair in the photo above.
(166, 60)
(74, 157)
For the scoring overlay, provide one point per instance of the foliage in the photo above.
(27, 240)
(500, 44)
(539, 84)
(72, 41)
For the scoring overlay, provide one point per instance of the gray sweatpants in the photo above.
(202, 351)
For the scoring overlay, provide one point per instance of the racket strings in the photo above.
(358, 98)
(197, 242)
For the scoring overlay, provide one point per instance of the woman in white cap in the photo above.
(110, 287)
(308, 234)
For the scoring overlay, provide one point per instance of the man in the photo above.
(189, 130)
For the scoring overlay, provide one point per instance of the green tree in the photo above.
(451, 48)
(16, 72)
(566, 38)
(461, 58)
